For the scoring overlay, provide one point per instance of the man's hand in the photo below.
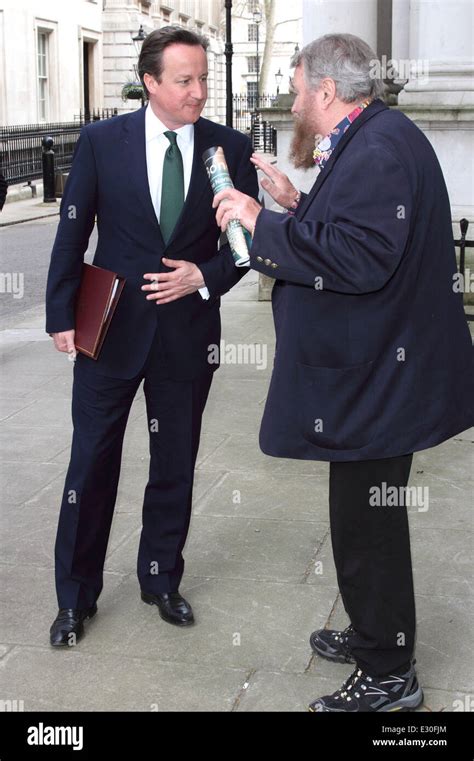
(275, 183)
(236, 205)
(65, 342)
(169, 286)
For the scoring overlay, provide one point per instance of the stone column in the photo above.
(350, 16)
(400, 29)
(439, 94)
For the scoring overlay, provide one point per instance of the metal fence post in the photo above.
(49, 191)
(463, 224)
(462, 244)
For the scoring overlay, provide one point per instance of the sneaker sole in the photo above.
(409, 703)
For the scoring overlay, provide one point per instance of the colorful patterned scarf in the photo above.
(326, 146)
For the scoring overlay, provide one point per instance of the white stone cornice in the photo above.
(442, 117)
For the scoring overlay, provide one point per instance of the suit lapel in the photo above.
(374, 108)
(134, 138)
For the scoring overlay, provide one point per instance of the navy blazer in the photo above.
(108, 179)
(373, 353)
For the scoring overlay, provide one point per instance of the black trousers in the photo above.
(100, 410)
(371, 546)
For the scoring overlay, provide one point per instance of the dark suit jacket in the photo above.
(373, 354)
(3, 190)
(108, 178)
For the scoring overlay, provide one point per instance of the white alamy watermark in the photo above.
(400, 496)
(464, 704)
(46, 735)
(238, 354)
(400, 69)
(14, 283)
(463, 283)
(12, 705)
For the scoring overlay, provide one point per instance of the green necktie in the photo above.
(172, 187)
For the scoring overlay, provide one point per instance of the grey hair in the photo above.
(347, 60)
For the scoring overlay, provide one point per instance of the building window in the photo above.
(253, 6)
(183, 20)
(252, 33)
(252, 64)
(251, 95)
(43, 104)
(166, 16)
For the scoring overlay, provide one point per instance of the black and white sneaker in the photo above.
(332, 644)
(370, 694)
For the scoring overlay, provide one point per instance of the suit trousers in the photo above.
(371, 547)
(100, 410)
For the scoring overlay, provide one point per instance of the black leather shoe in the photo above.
(172, 607)
(68, 626)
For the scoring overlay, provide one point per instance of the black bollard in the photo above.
(49, 190)
(463, 224)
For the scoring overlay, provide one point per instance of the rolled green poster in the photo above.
(218, 173)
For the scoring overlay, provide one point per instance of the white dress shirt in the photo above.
(156, 146)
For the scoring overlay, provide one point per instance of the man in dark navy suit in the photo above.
(373, 356)
(143, 177)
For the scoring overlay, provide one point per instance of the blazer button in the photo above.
(259, 259)
(267, 262)
(274, 264)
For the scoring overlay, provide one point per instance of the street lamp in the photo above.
(257, 19)
(278, 78)
(228, 63)
(138, 41)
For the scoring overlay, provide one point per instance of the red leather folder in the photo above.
(96, 301)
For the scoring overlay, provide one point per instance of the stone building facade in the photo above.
(50, 59)
(61, 58)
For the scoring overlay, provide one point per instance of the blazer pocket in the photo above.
(337, 406)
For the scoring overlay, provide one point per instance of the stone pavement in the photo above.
(259, 570)
(26, 210)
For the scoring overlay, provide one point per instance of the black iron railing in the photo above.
(96, 115)
(247, 119)
(21, 148)
(246, 105)
(462, 244)
(263, 135)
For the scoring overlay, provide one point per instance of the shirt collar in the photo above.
(326, 146)
(154, 127)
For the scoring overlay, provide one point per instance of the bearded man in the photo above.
(374, 359)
